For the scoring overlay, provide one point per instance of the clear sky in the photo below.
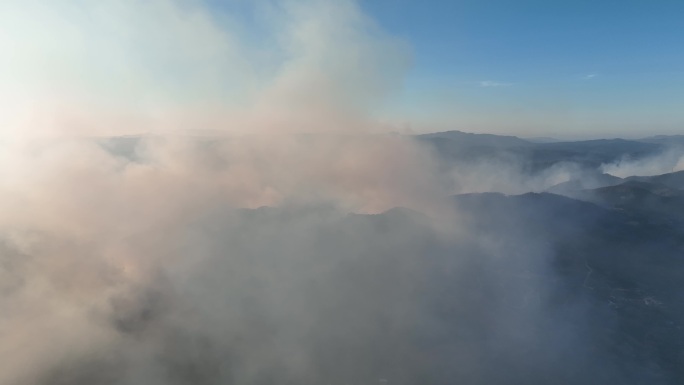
(547, 67)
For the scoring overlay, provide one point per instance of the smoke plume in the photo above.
(199, 192)
(138, 266)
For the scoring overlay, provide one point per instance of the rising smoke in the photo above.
(670, 160)
(233, 241)
(140, 268)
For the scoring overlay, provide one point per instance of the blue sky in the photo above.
(548, 67)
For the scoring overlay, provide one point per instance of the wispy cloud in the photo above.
(491, 83)
(589, 76)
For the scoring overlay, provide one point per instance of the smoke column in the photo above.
(138, 266)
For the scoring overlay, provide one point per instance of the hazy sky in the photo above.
(556, 68)
(537, 67)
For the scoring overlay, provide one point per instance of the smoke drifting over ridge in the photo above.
(671, 160)
(159, 264)
(138, 269)
(172, 70)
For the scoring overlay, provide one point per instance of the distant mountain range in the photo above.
(457, 146)
(658, 197)
(537, 154)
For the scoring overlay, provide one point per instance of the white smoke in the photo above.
(92, 239)
(671, 160)
(159, 264)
